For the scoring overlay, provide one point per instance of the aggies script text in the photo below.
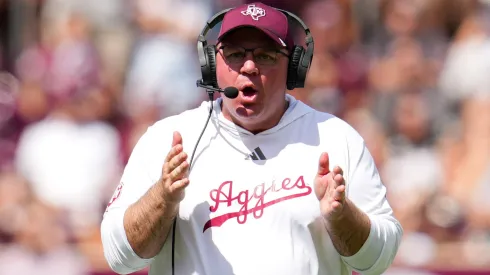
(252, 202)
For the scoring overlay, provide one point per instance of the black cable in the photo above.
(211, 96)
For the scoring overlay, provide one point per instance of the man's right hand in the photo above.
(148, 221)
(174, 175)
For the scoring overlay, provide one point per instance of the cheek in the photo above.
(224, 75)
(275, 78)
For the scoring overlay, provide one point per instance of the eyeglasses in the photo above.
(262, 56)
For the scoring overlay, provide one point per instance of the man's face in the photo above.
(261, 81)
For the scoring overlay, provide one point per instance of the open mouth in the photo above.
(249, 92)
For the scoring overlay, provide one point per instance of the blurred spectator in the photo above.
(338, 78)
(164, 67)
(110, 30)
(40, 245)
(72, 160)
(68, 153)
(70, 156)
(373, 134)
(15, 193)
(468, 60)
(9, 131)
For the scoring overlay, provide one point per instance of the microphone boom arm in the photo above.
(230, 92)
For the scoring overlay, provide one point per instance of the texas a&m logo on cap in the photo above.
(254, 12)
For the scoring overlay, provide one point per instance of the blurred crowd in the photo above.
(81, 80)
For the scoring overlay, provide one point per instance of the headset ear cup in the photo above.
(294, 60)
(210, 51)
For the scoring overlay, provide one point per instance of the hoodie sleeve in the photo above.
(366, 190)
(135, 182)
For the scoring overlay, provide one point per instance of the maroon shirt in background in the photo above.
(9, 137)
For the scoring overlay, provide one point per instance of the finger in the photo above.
(339, 194)
(179, 185)
(176, 161)
(175, 150)
(179, 172)
(339, 180)
(323, 164)
(176, 139)
(332, 182)
(338, 171)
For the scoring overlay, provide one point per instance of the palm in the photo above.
(329, 188)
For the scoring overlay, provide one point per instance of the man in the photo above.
(275, 187)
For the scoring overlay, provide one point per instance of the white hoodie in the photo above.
(268, 175)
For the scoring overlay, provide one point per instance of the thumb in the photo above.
(323, 164)
(177, 139)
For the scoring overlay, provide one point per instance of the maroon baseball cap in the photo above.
(271, 21)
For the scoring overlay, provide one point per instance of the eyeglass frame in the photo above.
(220, 48)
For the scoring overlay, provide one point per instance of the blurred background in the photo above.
(80, 80)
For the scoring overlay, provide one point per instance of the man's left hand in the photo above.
(330, 189)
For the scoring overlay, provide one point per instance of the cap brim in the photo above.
(272, 35)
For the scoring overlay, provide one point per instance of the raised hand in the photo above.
(148, 221)
(330, 189)
(174, 172)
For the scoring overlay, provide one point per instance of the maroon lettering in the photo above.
(251, 202)
(285, 184)
(274, 188)
(116, 195)
(216, 195)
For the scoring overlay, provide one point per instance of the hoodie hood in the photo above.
(296, 110)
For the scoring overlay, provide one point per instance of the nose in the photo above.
(249, 66)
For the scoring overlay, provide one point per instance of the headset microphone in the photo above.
(229, 92)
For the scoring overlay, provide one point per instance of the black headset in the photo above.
(299, 61)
